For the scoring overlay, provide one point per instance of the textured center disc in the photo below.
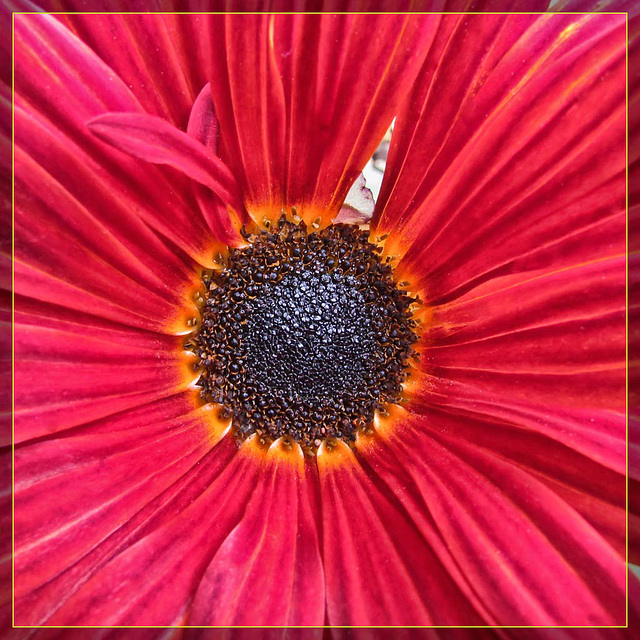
(309, 336)
(303, 334)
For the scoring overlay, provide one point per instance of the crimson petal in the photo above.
(378, 569)
(157, 141)
(72, 368)
(180, 545)
(554, 362)
(268, 571)
(299, 123)
(529, 556)
(543, 97)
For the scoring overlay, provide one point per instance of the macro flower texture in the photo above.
(246, 393)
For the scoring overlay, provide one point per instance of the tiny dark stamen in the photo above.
(304, 334)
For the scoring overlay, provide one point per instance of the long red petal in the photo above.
(102, 475)
(378, 569)
(191, 528)
(71, 368)
(529, 556)
(562, 344)
(166, 85)
(298, 123)
(546, 353)
(510, 153)
(268, 571)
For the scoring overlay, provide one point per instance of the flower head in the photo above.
(234, 409)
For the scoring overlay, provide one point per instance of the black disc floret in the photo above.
(304, 334)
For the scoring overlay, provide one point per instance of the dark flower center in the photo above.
(304, 334)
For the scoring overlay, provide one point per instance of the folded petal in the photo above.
(378, 569)
(529, 556)
(509, 155)
(203, 126)
(268, 571)
(100, 178)
(154, 140)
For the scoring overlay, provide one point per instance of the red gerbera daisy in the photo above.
(222, 414)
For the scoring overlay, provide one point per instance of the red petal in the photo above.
(528, 555)
(268, 571)
(51, 129)
(510, 152)
(191, 527)
(157, 141)
(378, 570)
(167, 83)
(68, 253)
(102, 474)
(557, 339)
(545, 353)
(299, 122)
(71, 368)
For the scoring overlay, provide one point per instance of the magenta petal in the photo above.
(558, 339)
(101, 475)
(72, 368)
(379, 570)
(153, 581)
(157, 141)
(268, 571)
(151, 52)
(546, 353)
(166, 462)
(531, 558)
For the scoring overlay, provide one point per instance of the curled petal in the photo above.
(157, 141)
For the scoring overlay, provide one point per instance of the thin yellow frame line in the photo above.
(626, 340)
(508, 13)
(318, 13)
(13, 323)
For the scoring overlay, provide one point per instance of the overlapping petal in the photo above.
(378, 569)
(154, 140)
(525, 166)
(298, 123)
(109, 184)
(277, 577)
(137, 478)
(504, 527)
(495, 480)
(72, 368)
